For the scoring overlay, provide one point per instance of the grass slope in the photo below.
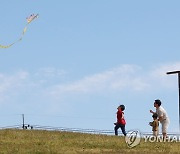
(36, 142)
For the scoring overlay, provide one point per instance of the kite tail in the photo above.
(7, 46)
(24, 31)
(29, 20)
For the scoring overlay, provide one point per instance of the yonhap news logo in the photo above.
(133, 138)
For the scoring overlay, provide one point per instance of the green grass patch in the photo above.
(42, 142)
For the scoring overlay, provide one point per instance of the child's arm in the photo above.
(151, 123)
(122, 116)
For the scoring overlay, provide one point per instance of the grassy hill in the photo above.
(38, 141)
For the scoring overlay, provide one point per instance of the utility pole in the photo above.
(177, 72)
(23, 121)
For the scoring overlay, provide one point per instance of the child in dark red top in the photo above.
(120, 120)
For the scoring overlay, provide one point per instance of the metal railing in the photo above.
(78, 130)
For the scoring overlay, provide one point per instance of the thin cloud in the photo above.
(50, 72)
(9, 83)
(129, 78)
(159, 77)
(123, 78)
(119, 78)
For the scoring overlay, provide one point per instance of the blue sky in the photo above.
(81, 59)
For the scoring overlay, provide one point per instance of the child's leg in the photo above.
(155, 133)
(116, 129)
(123, 129)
